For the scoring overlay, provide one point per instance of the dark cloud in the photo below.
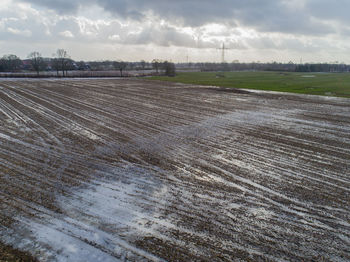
(263, 15)
(60, 6)
(336, 10)
(162, 36)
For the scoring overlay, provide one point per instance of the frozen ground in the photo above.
(131, 170)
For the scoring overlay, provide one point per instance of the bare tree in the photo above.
(120, 65)
(37, 61)
(156, 63)
(62, 61)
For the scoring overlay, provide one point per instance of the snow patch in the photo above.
(102, 221)
(260, 213)
(65, 246)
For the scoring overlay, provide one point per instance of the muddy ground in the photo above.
(134, 170)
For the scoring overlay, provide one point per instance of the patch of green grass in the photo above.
(329, 84)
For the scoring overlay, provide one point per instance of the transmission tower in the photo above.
(223, 48)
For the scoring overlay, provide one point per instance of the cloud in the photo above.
(15, 31)
(66, 34)
(60, 6)
(265, 26)
(160, 35)
(336, 10)
(293, 16)
(20, 22)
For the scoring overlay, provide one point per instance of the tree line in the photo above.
(273, 66)
(61, 62)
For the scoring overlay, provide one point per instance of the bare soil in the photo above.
(9, 254)
(134, 170)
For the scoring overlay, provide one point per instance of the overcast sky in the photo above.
(254, 30)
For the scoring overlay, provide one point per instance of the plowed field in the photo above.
(134, 170)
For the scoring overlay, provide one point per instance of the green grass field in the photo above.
(329, 84)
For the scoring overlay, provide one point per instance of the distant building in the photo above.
(26, 64)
